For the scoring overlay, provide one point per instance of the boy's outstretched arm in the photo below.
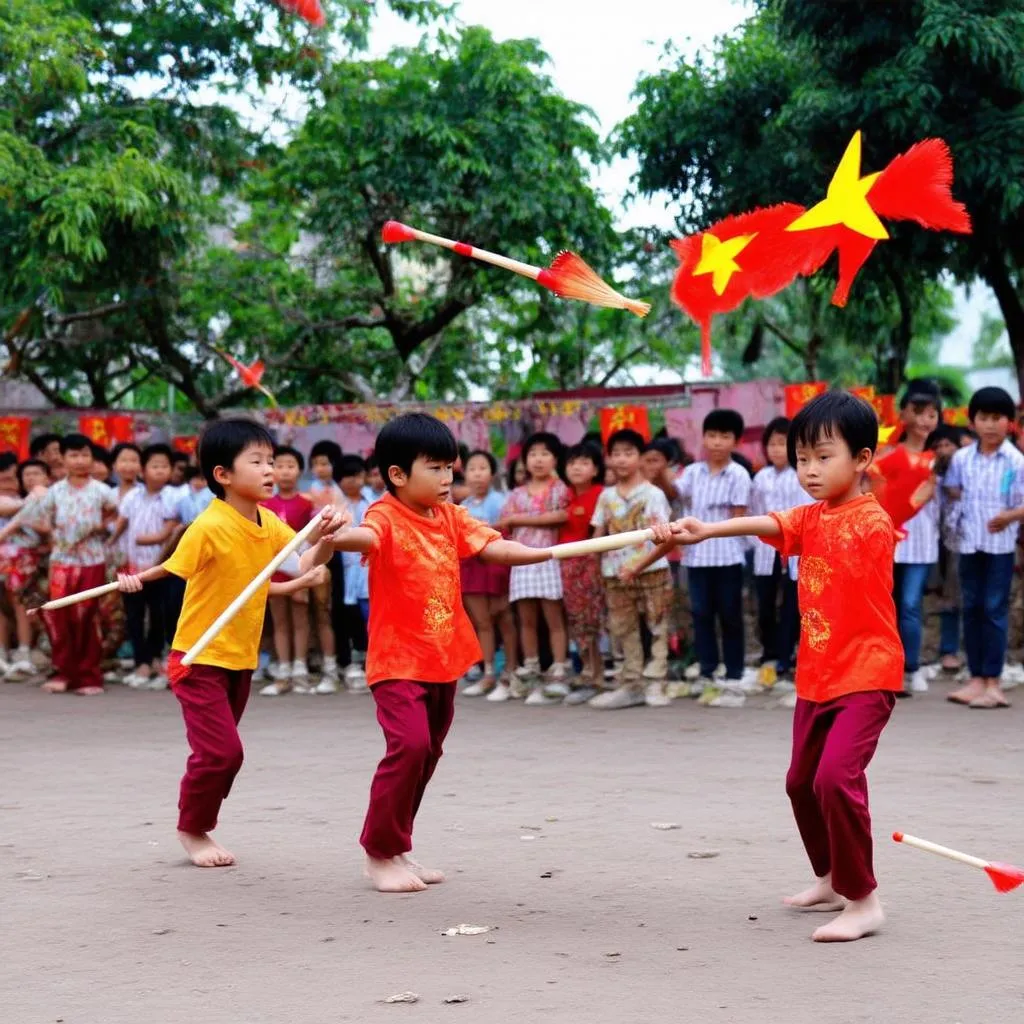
(510, 552)
(356, 538)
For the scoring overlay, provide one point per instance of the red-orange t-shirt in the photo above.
(849, 640)
(418, 627)
(580, 512)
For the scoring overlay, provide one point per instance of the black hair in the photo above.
(724, 421)
(741, 460)
(837, 415)
(632, 438)
(192, 472)
(39, 444)
(70, 443)
(124, 446)
(922, 391)
(151, 451)
(284, 449)
(223, 441)
(587, 450)
(409, 437)
(995, 401)
(547, 440)
(331, 451)
(491, 460)
(371, 461)
(944, 432)
(510, 478)
(8, 460)
(28, 464)
(178, 457)
(666, 446)
(779, 425)
(351, 465)
(100, 454)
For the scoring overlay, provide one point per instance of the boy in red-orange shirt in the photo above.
(421, 639)
(850, 664)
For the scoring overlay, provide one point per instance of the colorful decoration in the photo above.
(956, 417)
(250, 376)
(568, 276)
(186, 444)
(757, 254)
(625, 417)
(14, 435)
(798, 395)
(107, 429)
(308, 10)
(899, 481)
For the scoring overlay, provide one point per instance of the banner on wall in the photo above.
(107, 430)
(14, 435)
(625, 417)
(185, 443)
(798, 395)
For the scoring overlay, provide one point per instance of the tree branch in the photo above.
(786, 340)
(620, 363)
(98, 313)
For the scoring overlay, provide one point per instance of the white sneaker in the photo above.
(4, 662)
(136, 681)
(355, 680)
(479, 689)
(655, 695)
(276, 689)
(680, 688)
(581, 695)
(20, 670)
(529, 669)
(623, 697)
(538, 698)
(692, 673)
(327, 684)
(731, 698)
(919, 682)
(719, 672)
(788, 700)
(300, 678)
(518, 688)
(1013, 676)
(557, 691)
(749, 682)
(501, 693)
(474, 675)
(157, 682)
(614, 672)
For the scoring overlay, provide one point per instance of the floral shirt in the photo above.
(76, 514)
(554, 498)
(644, 506)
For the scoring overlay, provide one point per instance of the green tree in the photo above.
(765, 117)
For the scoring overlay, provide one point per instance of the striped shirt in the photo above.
(775, 490)
(921, 546)
(711, 497)
(146, 514)
(988, 484)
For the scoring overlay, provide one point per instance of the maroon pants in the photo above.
(212, 701)
(833, 743)
(415, 718)
(75, 630)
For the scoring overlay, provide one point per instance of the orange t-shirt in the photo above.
(849, 641)
(418, 627)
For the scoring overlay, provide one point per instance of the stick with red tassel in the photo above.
(1005, 877)
(568, 276)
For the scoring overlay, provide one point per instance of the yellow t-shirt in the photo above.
(219, 555)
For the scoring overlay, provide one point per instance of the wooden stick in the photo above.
(84, 595)
(942, 851)
(597, 545)
(395, 232)
(239, 602)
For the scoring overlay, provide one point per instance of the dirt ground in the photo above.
(543, 818)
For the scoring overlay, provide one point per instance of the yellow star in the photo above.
(846, 201)
(718, 258)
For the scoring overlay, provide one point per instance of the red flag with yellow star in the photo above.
(623, 417)
(758, 254)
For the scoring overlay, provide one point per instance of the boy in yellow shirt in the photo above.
(219, 554)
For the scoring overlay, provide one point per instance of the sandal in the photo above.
(989, 702)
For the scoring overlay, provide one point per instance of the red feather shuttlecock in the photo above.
(308, 10)
(572, 278)
(1005, 877)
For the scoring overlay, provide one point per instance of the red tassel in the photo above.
(308, 10)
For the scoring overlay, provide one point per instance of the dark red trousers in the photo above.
(415, 718)
(833, 743)
(75, 630)
(212, 701)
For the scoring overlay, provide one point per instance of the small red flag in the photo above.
(14, 431)
(798, 395)
(625, 417)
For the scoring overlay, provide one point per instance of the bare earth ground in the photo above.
(598, 917)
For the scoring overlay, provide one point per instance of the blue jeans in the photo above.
(949, 632)
(985, 585)
(716, 592)
(780, 628)
(910, 581)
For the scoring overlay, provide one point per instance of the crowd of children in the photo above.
(590, 629)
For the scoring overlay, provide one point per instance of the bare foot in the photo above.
(820, 896)
(204, 852)
(55, 686)
(860, 919)
(429, 875)
(950, 663)
(392, 876)
(88, 691)
(972, 691)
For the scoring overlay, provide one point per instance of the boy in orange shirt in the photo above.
(421, 639)
(850, 665)
(227, 546)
